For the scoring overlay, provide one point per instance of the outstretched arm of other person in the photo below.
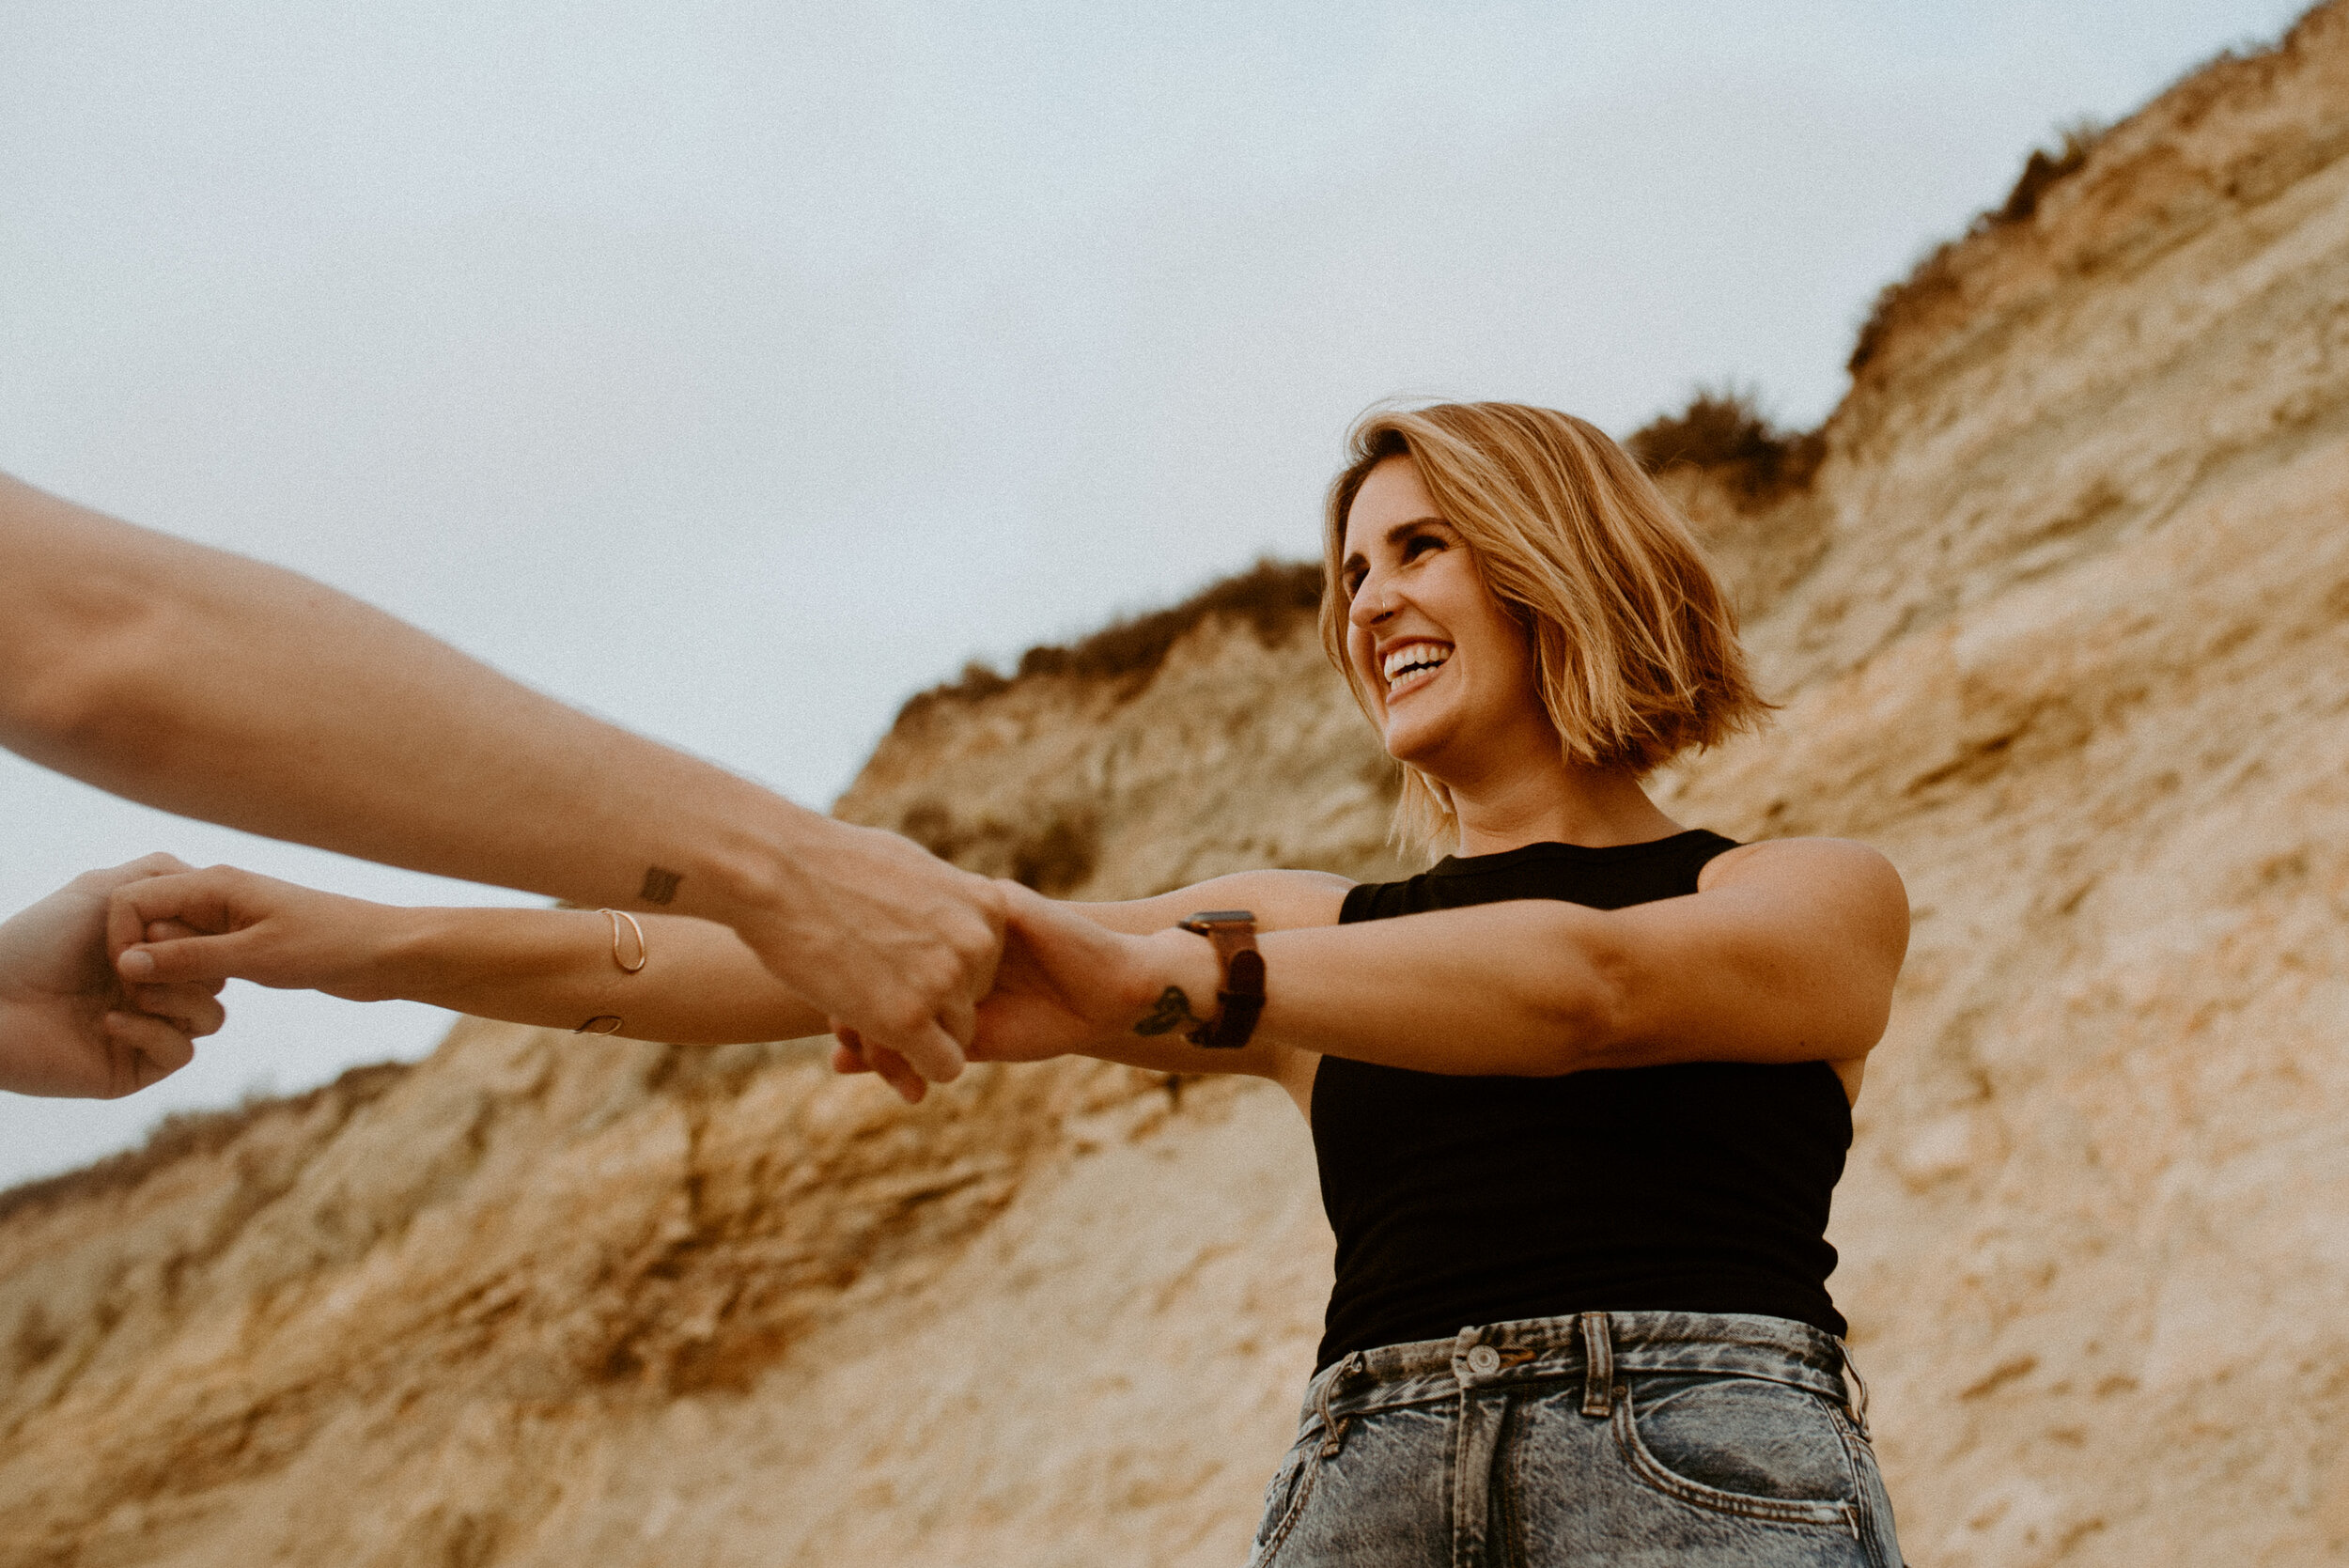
(222, 689)
(651, 977)
(68, 1027)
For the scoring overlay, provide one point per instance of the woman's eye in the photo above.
(1420, 545)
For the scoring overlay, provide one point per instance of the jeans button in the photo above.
(1483, 1360)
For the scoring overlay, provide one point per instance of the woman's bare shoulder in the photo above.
(1821, 874)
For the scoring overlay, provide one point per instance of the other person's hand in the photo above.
(68, 1026)
(1064, 984)
(223, 924)
(893, 943)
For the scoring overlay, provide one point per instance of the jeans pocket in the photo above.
(1739, 1446)
(1284, 1499)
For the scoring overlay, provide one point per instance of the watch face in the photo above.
(1222, 917)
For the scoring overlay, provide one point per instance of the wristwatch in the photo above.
(1240, 996)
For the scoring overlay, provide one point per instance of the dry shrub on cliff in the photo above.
(1053, 852)
(1934, 276)
(1724, 432)
(1271, 597)
(2043, 169)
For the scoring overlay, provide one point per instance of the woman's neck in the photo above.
(1589, 806)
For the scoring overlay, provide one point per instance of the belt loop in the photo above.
(1333, 1429)
(1851, 1369)
(1599, 1366)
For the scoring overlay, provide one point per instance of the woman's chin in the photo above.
(1412, 744)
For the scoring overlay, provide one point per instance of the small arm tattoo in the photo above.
(1171, 1012)
(660, 885)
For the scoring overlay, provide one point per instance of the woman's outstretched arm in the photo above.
(690, 981)
(1787, 952)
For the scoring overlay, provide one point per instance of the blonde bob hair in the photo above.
(1635, 643)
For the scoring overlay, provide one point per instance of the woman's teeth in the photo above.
(1416, 658)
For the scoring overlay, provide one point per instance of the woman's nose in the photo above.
(1372, 602)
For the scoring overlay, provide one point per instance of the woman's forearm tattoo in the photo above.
(1171, 1012)
(660, 885)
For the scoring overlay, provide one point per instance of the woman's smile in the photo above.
(1411, 665)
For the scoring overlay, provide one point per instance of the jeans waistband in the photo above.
(1589, 1348)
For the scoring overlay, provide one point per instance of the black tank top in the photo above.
(1697, 1187)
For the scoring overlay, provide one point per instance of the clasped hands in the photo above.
(1064, 986)
(69, 1026)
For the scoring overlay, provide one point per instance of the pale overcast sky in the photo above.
(734, 370)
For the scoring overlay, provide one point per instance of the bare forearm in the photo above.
(1532, 989)
(561, 969)
(1499, 990)
(222, 688)
(1539, 988)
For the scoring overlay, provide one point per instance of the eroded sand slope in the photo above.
(2062, 625)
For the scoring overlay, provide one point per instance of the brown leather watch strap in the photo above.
(1240, 996)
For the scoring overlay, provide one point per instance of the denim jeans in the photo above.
(1630, 1439)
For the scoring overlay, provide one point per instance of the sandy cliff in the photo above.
(2061, 623)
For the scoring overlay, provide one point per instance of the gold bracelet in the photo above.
(612, 1023)
(643, 952)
